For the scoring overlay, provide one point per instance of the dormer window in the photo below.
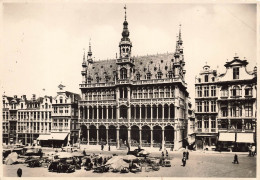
(138, 77)
(97, 78)
(236, 73)
(159, 75)
(213, 79)
(206, 78)
(199, 80)
(148, 76)
(22, 106)
(170, 74)
(61, 100)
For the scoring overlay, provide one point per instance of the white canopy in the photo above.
(245, 137)
(226, 137)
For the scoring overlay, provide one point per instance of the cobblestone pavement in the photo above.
(198, 165)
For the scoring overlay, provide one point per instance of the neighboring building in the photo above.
(136, 100)
(226, 107)
(24, 120)
(65, 127)
(191, 126)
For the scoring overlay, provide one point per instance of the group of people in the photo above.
(251, 150)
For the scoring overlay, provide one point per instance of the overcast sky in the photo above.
(43, 42)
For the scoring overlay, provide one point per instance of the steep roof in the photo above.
(143, 65)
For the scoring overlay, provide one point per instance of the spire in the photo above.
(125, 12)
(89, 50)
(125, 32)
(84, 55)
(180, 40)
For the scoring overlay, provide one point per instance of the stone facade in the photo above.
(134, 100)
(226, 107)
(24, 120)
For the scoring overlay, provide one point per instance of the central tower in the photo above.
(125, 62)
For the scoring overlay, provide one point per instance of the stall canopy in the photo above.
(58, 136)
(245, 137)
(226, 137)
(44, 137)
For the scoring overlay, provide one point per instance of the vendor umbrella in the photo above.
(62, 155)
(130, 157)
(77, 154)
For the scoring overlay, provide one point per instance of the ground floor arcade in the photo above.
(145, 135)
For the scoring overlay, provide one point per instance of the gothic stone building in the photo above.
(134, 100)
(226, 107)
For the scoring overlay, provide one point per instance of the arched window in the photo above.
(206, 78)
(123, 73)
(97, 78)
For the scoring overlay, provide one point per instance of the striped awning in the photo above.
(58, 136)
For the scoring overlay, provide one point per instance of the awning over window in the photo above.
(226, 137)
(245, 137)
(58, 136)
(43, 137)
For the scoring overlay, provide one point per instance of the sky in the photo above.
(43, 42)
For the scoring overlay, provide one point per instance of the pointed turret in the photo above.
(125, 44)
(90, 60)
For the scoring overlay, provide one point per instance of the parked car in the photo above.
(135, 152)
(167, 163)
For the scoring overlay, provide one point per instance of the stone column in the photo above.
(97, 112)
(163, 111)
(107, 112)
(117, 113)
(79, 113)
(97, 135)
(209, 123)
(157, 112)
(84, 114)
(152, 137)
(140, 137)
(151, 112)
(129, 136)
(87, 112)
(162, 138)
(169, 112)
(243, 125)
(107, 135)
(140, 111)
(128, 113)
(135, 112)
(117, 137)
(88, 134)
(146, 112)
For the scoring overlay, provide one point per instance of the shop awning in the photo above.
(58, 136)
(44, 137)
(245, 137)
(226, 137)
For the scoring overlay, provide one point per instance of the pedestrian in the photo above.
(19, 172)
(253, 151)
(160, 148)
(250, 150)
(162, 154)
(236, 159)
(84, 152)
(108, 147)
(183, 161)
(187, 155)
(166, 153)
(184, 154)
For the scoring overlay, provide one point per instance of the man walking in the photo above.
(187, 155)
(183, 161)
(236, 159)
(19, 172)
